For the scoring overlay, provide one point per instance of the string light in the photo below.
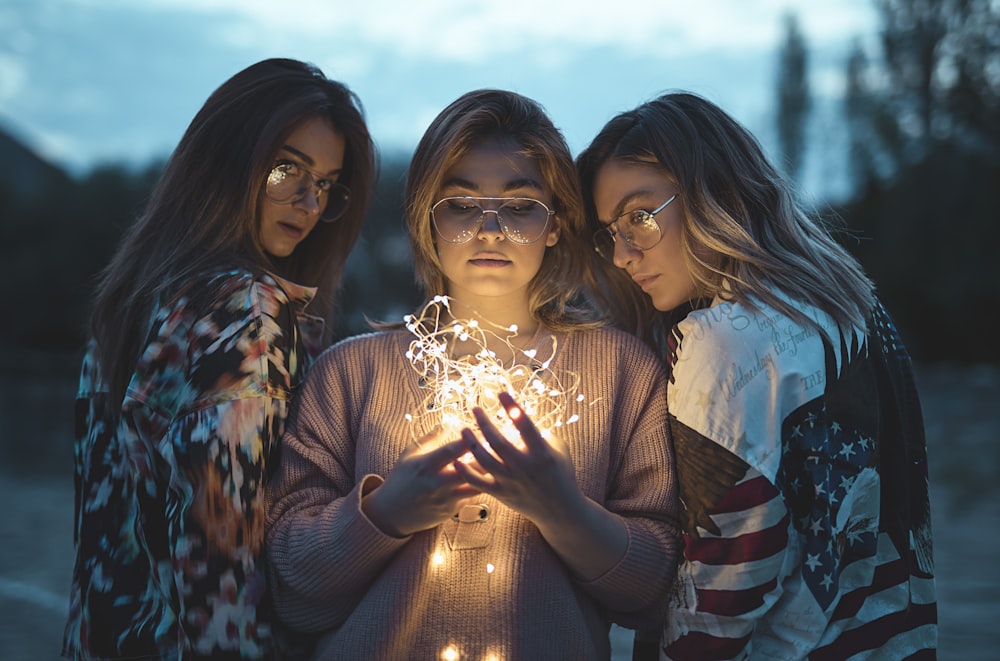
(456, 385)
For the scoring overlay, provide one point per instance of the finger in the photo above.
(446, 453)
(522, 422)
(503, 448)
(481, 482)
(488, 462)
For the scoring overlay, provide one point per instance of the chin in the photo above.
(280, 253)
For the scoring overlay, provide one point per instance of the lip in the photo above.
(644, 281)
(292, 230)
(489, 260)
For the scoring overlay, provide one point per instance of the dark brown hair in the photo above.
(204, 213)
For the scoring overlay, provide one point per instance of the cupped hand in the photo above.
(536, 479)
(422, 490)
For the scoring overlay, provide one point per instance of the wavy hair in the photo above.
(204, 212)
(555, 295)
(745, 236)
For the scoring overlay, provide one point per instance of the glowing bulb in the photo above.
(489, 567)
(450, 653)
(437, 559)
(455, 386)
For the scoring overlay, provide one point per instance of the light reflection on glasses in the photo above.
(523, 220)
(288, 182)
(638, 228)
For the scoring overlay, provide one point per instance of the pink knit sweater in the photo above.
(487, 588)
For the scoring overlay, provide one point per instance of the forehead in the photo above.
(619, 182)
(318, 143)
(493, 167)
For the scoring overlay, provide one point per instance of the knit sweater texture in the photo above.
(483, 587)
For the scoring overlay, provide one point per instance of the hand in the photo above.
(422, 490)
(536, 480)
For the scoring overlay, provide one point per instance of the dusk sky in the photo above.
(86, 82)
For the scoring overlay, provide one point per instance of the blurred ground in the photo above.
(961, 411)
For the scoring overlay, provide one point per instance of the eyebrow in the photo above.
(624, 202)
(308, 159)
(514, 184)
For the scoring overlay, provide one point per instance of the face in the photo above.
(660, 271)
(316, 146)
(489, 264)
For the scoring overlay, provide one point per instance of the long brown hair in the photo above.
(555, 293)
(204, 213)
(745, 235)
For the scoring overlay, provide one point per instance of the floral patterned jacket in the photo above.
(169, 521)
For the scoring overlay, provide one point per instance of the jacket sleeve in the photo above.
(212, 389)
(736, 546)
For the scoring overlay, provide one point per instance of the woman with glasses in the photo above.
(200, 335)
(421, 511)
(799, 437)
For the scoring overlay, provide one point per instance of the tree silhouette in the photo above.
(794, 100)
(924, 117)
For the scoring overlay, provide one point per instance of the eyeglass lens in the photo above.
(638, 229)
(459, 219)
(288, 183)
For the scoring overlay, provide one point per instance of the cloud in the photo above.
(89, 81)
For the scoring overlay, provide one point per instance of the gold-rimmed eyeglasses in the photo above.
(638, 228)
(523, 220)
(288, 182)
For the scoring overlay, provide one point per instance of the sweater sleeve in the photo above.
(642, 490)
(324, 552)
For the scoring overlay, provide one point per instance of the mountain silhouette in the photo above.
(22, 171)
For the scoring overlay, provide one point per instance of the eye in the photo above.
(461, 205)
(638, 218)
(521, 206)
(324, 185)
(283, 171)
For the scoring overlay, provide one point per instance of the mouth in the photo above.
(644, 281)
(294, 231)
(489, 260)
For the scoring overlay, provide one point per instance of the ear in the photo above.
(552, 238)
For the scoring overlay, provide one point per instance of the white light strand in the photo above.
(456, 385)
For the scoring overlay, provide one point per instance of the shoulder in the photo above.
(731, 329)
(608, 340)
(374, 348)
(611, 356)
(738, 371)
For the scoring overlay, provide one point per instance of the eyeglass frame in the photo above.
(315, 177)
(501, 223)
(612, 229)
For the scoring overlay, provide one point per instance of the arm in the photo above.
(736, 548)
(622, 543)
(330, 536)
(207, 409)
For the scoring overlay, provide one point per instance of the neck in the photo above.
(495, 324)
(496, 316)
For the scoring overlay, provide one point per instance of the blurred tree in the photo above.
(794, 99)
(61, 236)
(937, 81)
(924, 118)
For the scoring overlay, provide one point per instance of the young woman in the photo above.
(799, 437)
(394, 533)
(200, 336)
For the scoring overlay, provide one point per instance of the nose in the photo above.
(624, 253)
(491, 223)
(309, 199)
